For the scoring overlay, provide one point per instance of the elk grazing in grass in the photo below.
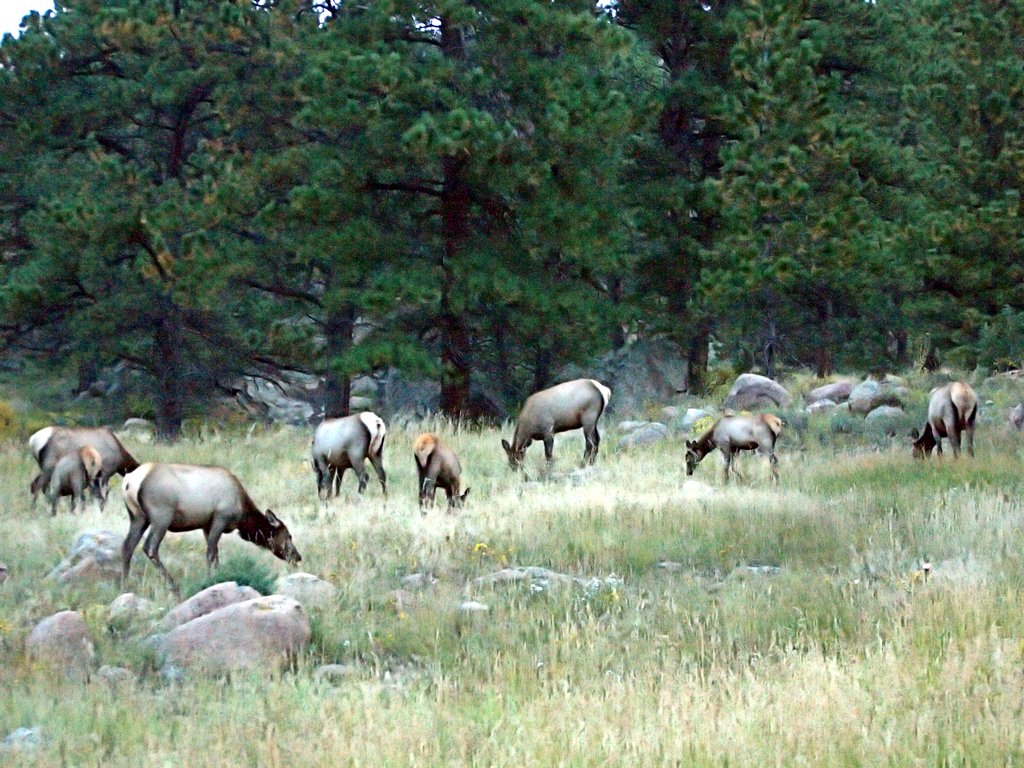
(50, 444)
(952, 411)
(74, 473)
(438, 467)
(346, 443)
(573, 405)
(732, 434)
(186, 497)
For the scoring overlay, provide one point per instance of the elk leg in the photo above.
(152, 550)
(131, 541)
(101, 483)
(970, 438)
(41, 483)
(35, 488)
(728, 463)
(549, 448)
(953, 433)
(213, 535)
(590, 452)
(359, 467)
(427, 490)
(773, 462)
(377, 461)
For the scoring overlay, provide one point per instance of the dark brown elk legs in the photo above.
(953, 433)
(970, 439)
(131, 541)
(213, 535)
(593, 440)
(152, 550)
(378, 467)
(549, 447)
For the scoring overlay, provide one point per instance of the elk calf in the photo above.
(50, 444)
(72, 475)
(438, 467)
(732, 434)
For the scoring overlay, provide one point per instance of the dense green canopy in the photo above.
(484, 192)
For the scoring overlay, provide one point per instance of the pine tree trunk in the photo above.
(88, 370)
(169, 368)
(337, 386)
(697, 362)
(823, 349)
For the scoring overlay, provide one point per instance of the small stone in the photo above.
(418, 581)
(629, 426)
(22, 739)
(747, 571)
(670, 565)
(472, 606)
(334, 673)
(310, 590)
(115, 676)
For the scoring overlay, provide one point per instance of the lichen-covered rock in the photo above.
(258, 634)
(752, 390)
(651, 432)
(62, 642)
(821, 405)
(127, 609)
(884, 413)
(207, 601)
(870, 394)
(310, 590)
(95, 556)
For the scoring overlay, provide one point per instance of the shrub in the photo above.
(244, 571)
(7, 421)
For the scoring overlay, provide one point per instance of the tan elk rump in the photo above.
(438, 466)
(952, 411)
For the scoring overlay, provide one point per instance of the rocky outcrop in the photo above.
(258, 634)
(207, 601)
(752, 390)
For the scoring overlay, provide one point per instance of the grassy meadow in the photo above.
(848, 654)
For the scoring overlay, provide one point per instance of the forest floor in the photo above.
(712, 625)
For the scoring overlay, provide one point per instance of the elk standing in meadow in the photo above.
(572, 405)
(346, 443)
(952, 410)
(732, 434)
(186, 497)
(438, 467)
(73, 474)
(50, 444)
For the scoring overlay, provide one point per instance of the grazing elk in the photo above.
(73, 474)
(952, 410)
(438, 467)
(50, 444)
(346, 443)
(572, 405)
(732, 434)
(186, 497)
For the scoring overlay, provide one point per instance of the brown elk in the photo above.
(438, 467)
(50, 444)
(573, 405)
(952, 410)
(732, 434)
(186, 497)
(73, 474)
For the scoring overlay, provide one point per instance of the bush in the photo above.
(1001, 343)
(244, 571)
(8, 427)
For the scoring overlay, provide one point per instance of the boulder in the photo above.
(209, 600)
(62, 642)
(418, 581)
(261, 633)
(671, 412)
(821, 405)
(647, 371)
(141, 429)
(334, 673)
(752, 390)
(629, 426)
(115, 676)
(357, 403)
(95, 556)
(651, 432)
(22, 739)
(837, 392)
(884, 413)
(293, 398)
(127, 609)
(310, 590)
(1016, 419)
(870, 394)
(690, 418)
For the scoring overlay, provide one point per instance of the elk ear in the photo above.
(690, 444)
(272, 519)
(465, 493)
(506, 446)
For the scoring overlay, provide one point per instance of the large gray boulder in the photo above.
(651, 432)
(883, 414)
(647, 371)
(870, 394)
(751, 390)
(95, 556)
(294, 398)
(62, 642)
(310, 590)
(207, 601)
(258, 634)
(837, 392)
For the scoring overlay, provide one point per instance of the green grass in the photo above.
(848, 655)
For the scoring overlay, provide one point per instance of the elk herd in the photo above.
(166, 497)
